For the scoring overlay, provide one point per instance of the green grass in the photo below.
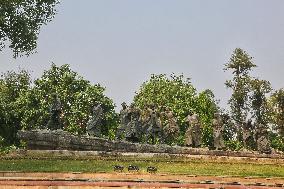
(196, 167)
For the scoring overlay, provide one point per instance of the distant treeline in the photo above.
(25, 104)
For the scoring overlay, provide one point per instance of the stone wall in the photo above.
(62, 140)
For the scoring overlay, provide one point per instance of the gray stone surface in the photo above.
(95, 123)
(154, 131)
(262, 140)
(171, 129)
(54, 121)
(193, 134)
(124, 120)
(62, 140)
(133, 130)
(218, 128)
(248, 135)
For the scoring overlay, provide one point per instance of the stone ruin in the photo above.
(136, 124)
(94, 125)
(63, 140)
(54, 121)
(193, 133)
(218, 129)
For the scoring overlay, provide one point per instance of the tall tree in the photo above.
(240, 65)
(277, 102)
(259, 105)
(20, 23)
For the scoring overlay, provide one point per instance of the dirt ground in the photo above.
(11, 180)
(74, 180)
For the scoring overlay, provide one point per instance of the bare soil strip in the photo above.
(124, 184)
(133, 180)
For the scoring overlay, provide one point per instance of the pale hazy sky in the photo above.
(120, 43)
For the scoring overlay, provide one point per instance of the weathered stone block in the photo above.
(62, 140)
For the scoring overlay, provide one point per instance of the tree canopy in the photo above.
(277, 105)
(20, 23)
(240, 64)
(77, 97)
(259, 106)
(12, 86)
(24, 105)
(178, 94)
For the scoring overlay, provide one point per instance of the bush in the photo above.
(277, 142)
(12, 86)
(26, 106)
(233, 145)
(178, 94)
(77, 97)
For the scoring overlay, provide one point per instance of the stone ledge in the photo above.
(62, 140)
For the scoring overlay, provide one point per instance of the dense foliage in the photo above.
(20, 22)
(277, 106)
(26, 106)
(178, 94)
(12, 86)
(240, 65)
(259, 105)
(77, 97)
(250, 100)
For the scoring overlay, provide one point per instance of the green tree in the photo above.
(240, 65)
(259, 105)
(277, 104)
(206, 106)
(178, 94)
(12, 86)
(20, 23)
(77, 96)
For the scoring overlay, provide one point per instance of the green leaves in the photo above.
(12, 86)
(240, 64)
(177, 93)
(26, 106)
(174, 92)
(76, 95)
(276, 103)
(248, 93)
(259, 106)
(20, 22)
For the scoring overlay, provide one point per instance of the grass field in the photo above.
(196, 167)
